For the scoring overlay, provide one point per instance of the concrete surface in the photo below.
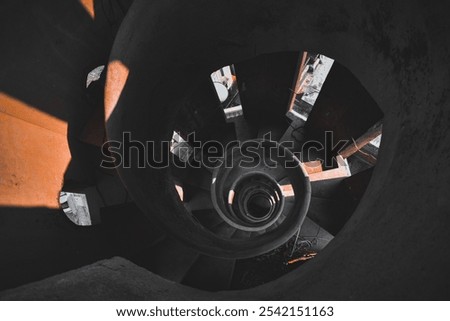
(395, 246)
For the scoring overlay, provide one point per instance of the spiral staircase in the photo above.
(368, 239)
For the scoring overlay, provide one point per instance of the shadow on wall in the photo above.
(39, 242)
(48, 49)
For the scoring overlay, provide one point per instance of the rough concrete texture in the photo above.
(114, 279)
(396, 244)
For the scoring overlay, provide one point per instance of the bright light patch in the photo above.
(230, 196)
(116, 79)
(287, 190)
(88, 5)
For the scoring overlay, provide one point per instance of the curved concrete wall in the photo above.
(395, 245)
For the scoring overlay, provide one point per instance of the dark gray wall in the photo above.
(396, 244)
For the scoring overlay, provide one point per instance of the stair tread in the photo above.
(200, 201)
(326, 188)
(224, 229)
(208, 218)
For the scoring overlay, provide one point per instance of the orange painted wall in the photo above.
(34, 155)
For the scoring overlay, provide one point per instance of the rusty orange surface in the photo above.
(88, 5)
(313, 167)
(34, 155)
(116, 78)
